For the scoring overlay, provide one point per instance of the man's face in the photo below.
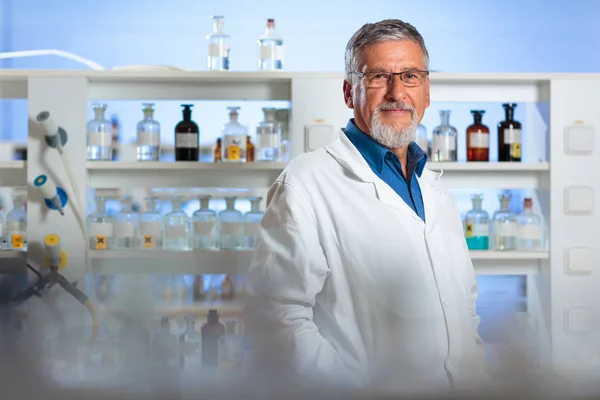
(391, 112)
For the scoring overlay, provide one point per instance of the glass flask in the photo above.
(218, 46)
(151, 225)
(16, 224)
(148, 136)
(422, 140)
(165, 346)
(231, 226)
(270, 49)
(205, 225)
(100, 227)
(252, 222)
(509, 135)
(126, 226)
(234, 138)
(176, 228)
(444, 139)
(504, 228)
(268, 136)
(531, 232)
(190, 347)
(477, 225)
(99, 136)
(478, 138)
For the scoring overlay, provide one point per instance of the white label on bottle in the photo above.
(15, 226)
(481, 230)
(506, 229)
(124, 229)
(231, 228)
(202, 228)
(148, 138)
(99, 139)
(235, 140)
(444, 143)
(267, 52)
(251, 228)
(268, 140)
(480, 140)
(279, 53)
(423, 143)
(530, 232)
(217, 50)
(512, 136)
(101, 229)
(175, 231)
(150, 228)
(186, 140)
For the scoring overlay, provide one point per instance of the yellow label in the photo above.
(100, 242)
(516, 150)
(234, 152)
(148, 241)
(469, 230)
(17, 241)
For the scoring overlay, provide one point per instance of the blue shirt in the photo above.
(386, 165)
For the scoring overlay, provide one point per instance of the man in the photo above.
(361, 274)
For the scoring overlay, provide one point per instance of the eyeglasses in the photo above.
(378, 80)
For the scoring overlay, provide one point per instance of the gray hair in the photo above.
(389, 29)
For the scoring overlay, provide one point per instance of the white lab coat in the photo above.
(348, 286)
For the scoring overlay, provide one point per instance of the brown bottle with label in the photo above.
(478, 139)
(509, 136)
(227, 291)
(187, 137)
(249, 150)
(217, 151)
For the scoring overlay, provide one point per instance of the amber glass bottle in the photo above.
(509, 136)
(217, 150)
(249, 150)
(478, 139)
(187, 137)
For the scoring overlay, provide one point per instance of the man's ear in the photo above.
(347, 88)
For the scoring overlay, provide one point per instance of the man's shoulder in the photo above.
(307, 167)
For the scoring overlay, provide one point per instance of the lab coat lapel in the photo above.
(431, 191)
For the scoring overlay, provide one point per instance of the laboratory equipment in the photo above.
(249, 150)
(187, 136)
(504, 228)
(531, 231)
(218, 46)
(204, 221)
(252, 221)
(16, 224)
(509, 135)
(212, 330)
(2, 230)
(198, 288)
(148, 136)
(227, 289)
(217, 151)
(100, 226)
(151, 225)
(55, 197)
(126, 226)
(230, 347)
(422, 140)
(444, 139)
(268, 136)
(231, 226)
(99, 136)
(176, 228)
(165, 347)
(191, 347)
(234, 138)
(478, 138)
(477, 225)
(270, 49)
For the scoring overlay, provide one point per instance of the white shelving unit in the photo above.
(562, 284)
(12, 262)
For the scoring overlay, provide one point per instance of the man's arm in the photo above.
(289, 269)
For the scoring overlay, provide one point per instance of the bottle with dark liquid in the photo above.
(217, 150)
(509, 136)
(249, 150)
(212, 330)
(187, 135)
(478, 139)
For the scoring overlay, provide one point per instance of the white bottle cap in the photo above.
(47, 124)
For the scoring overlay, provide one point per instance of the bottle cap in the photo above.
(527, 202)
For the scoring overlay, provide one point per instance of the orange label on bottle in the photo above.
(100, 242)
(17, 241)
(234, 152)
(148, 241)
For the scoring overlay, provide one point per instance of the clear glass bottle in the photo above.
(151, 225)
(531, 232)
(100, 226)
(148, 136)
(234, 138)
(99, 136)
(205, 225)
(218, 46)
(252, 222)
(231, 226)
(165, 346)
(270, 49)
(477, 225)
(268, 136)
(422, 140)
(190, 347)
(176, 228)
(444, 139)
(504, 229)
(231, 347)
(126, 226)
(16, 224)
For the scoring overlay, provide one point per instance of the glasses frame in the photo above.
(401, 75)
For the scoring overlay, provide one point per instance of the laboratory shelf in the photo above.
(13, 173)
(227, 308)
(108, 174)
(488, 262)
(12, 262)
(230, 262)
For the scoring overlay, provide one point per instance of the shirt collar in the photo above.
(374, 152)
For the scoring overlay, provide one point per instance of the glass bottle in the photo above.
(190, 347)
(218, 46)
(444, 139)
(231, 226)
(212, 330)
(205, 225)
(504, 229)
(252, 222)
(148, 136)
(99, 136)
(176, 228)
(231, 347)
(422, 140)
(198, 292)
(165, 346)
(187, 136)
(234, 138)
(114, 121)
(16, 224)
(477, 225)
(151, 225)
(478, 139)
(100, 227)
(268, 136)
(227, 289)
(531, 232)
(217, 150)
(509, 135)
(126, 224)
(2, 230)
(249, 150)
(270, 49)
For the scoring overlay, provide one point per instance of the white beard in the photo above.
(391, 136)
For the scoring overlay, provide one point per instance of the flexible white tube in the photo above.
(52, 52)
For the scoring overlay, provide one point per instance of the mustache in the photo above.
(397, 105)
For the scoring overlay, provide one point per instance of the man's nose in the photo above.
(396, 89)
